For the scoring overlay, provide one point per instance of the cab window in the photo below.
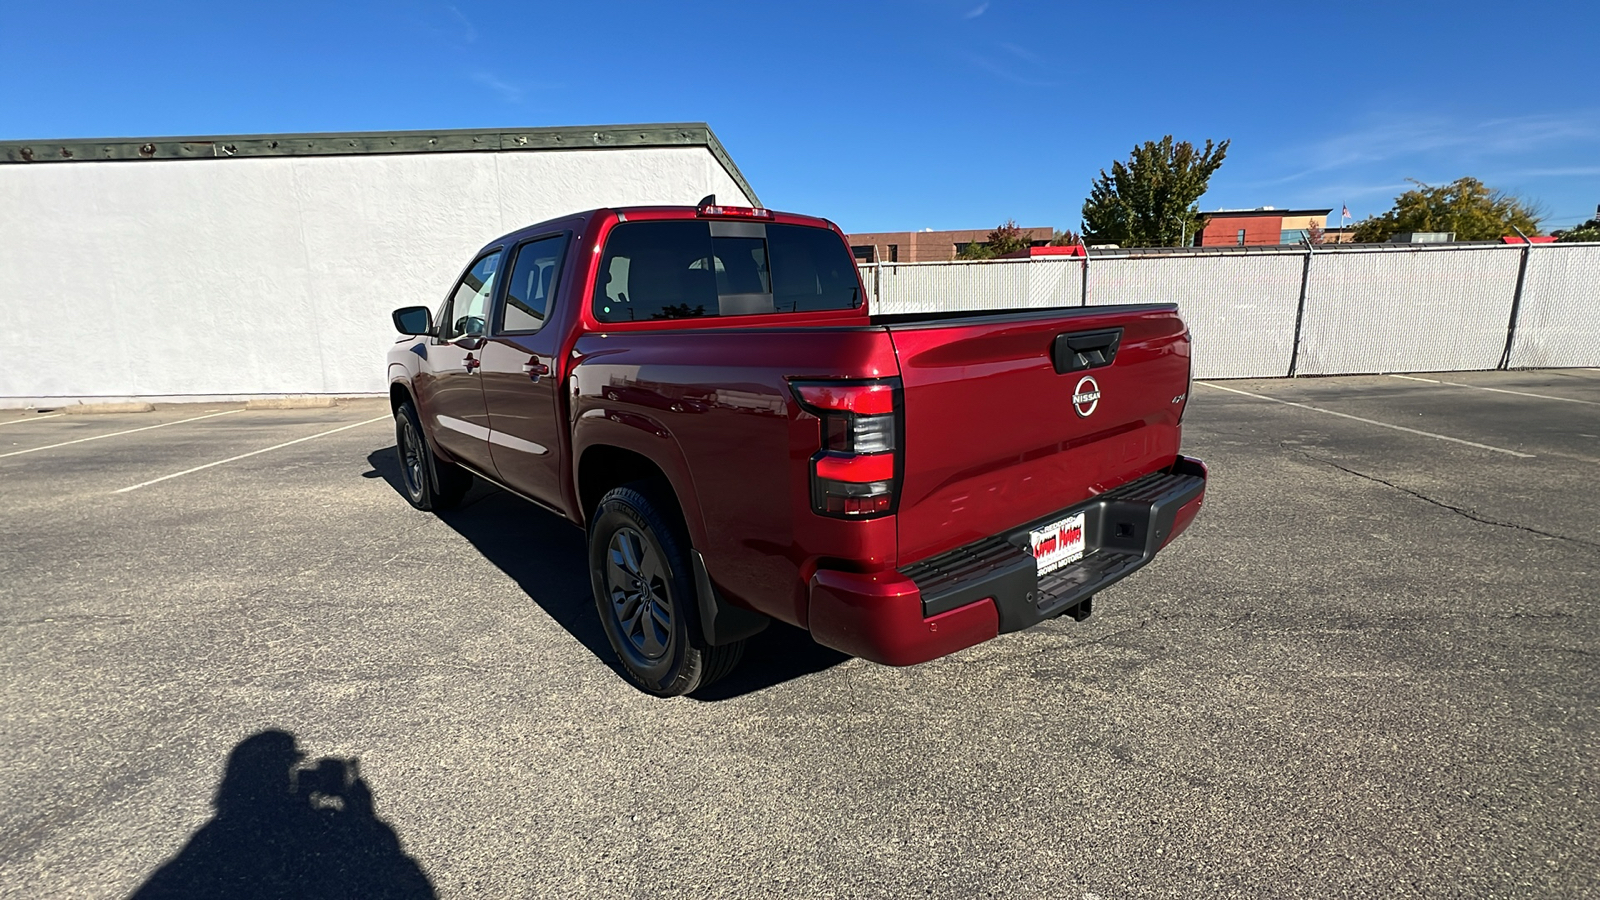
(689, 269)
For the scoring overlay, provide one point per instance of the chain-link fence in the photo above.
(1559, 309)
(1410, 309)
(1271, 312)
(1240, 307)
(975, 285)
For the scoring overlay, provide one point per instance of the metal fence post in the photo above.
(1300, 309)
(1516, 299)
(1085, 277)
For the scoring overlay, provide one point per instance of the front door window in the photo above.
(469, 302)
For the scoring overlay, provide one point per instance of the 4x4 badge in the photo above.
(1086, 396)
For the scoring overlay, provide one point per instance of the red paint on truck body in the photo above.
(987, 437)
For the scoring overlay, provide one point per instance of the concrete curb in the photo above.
(85, 409)
(291, 403)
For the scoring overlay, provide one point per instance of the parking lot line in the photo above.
(32, 419)
(309, 437)
(1442, 437)
(1476, 387)
(97, 437)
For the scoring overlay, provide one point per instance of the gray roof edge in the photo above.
(721, 154)
(362, 143)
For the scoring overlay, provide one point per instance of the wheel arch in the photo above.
(602, 467)
(399, 392)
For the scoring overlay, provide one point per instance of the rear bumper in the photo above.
(970, 594)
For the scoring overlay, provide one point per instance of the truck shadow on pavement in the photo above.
(545, 555)
(286, 830)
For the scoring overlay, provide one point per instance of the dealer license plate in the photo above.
(1057, 544)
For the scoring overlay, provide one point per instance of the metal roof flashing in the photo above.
(363, 143)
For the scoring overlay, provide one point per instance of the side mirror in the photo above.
(417, 320)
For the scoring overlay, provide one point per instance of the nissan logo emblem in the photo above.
(1086, 396)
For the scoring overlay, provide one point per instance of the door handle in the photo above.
(471, 364)
(1085, 350)
(533, 368)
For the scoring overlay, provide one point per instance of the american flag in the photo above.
(1345, 214)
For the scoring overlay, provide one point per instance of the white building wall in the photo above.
(271, 275)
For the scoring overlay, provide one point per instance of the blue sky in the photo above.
(881, 116)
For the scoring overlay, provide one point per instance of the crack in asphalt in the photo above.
(1442, 505)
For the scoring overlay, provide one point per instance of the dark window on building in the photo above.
(1241, 237)
(680, 269)
(867, 254)
(894, 253)
(533, 278)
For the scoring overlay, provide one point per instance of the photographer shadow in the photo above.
(548, 559)
(283, 830)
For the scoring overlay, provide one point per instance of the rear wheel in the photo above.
(430, 483)
(644, 593)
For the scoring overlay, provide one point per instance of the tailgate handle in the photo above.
(1085, 350)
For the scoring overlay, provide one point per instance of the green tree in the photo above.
(1149, 201)
(975, 250)
(1588, 231)
(1067, 238)
(1007, 238)
(1466, 206)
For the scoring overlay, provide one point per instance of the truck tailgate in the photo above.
(993, 435)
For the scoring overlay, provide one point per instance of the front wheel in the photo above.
(644, 593)
(430, 483)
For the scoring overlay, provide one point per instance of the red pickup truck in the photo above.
(706, 392)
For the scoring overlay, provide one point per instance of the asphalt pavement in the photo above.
(1369, 669)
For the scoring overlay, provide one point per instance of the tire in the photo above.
(645, 596)
(429, 483)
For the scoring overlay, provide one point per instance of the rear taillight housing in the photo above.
(855, 473)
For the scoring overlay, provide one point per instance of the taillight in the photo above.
(855, 473)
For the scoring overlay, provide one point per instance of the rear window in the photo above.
(685, 270)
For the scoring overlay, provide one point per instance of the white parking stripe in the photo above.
(1496, 390)
(97, 437)
(32, 419)
(309, 437)
(1442, 437)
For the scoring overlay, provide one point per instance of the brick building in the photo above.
(1264, 225)
(927, 246)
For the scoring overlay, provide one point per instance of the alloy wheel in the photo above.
(636, 583)
(411, 462)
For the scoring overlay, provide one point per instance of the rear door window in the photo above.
(689, 269)
(532, 283)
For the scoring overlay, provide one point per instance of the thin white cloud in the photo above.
(507, 91)
(1006, 72)
(1569, 172)
(1014, 50)
(468, 33)
(976, 11)
(1470, 142)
